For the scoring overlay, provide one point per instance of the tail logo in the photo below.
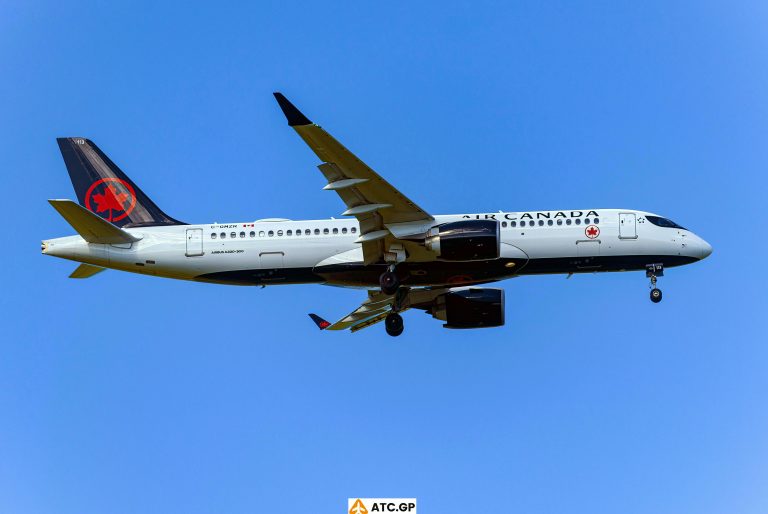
(111, 198)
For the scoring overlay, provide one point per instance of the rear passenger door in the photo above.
(194, 242)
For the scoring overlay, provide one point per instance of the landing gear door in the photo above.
(627, 225)
(194, 242)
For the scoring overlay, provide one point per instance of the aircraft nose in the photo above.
(706, 249)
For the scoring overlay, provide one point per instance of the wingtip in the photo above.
(294, 116)
(320, 322)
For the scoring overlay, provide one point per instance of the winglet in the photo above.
(294, 116)
(320, 322)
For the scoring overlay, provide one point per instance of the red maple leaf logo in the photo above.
(108, 197)
(592, 231)
(110, 200)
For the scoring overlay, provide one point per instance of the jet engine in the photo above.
(470, 308)
(467, 240)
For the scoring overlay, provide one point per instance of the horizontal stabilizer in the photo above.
(91, 227)
(85, 271)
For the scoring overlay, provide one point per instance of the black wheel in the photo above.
(394, 324)
(389, 282)
(655, 295)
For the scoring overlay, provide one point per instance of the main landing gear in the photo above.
(389, 281)
(652, 271)
(390, 285)
(394, 324)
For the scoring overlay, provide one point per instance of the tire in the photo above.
(389, 282)
(394, 324)
(655, 295)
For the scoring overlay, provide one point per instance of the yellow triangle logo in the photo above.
(358, 508)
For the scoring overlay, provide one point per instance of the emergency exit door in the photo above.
(627, 225)
(194, 242)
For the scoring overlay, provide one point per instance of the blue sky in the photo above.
(127, 394)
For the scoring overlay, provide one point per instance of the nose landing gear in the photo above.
(653, 271)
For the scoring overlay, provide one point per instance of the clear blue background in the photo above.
(125, 393)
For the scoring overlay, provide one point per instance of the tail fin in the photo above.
(105, 190)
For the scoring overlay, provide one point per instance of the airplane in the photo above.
(405, 257)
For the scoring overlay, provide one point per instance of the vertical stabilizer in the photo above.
(105, 190)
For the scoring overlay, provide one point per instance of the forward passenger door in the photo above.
(627, 225)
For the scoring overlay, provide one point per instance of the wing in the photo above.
(368, 197)
(376, 307)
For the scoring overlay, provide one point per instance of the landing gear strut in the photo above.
(394, 324)
(389, 281)
(394, 321)
(652, 271)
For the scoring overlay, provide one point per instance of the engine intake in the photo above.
(470, 308)
(469, 240)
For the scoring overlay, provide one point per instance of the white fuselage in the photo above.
(325, 251)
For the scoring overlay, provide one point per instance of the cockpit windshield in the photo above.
(663, 222)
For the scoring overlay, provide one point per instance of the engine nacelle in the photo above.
(467, 240)
(470, 308)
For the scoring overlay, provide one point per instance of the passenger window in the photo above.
(317, 231)
(213, 236)
(252, 234)
(567, 222)
(279, 232)
(559, 222)
(233, 235)
(261, 233)
(242, 234)
(289, 233)
(541, 223)
(597, 221)
(522, 223)
(353, 229)
(271, 233)
(578, 221)
(513, 224)
(223, 235)
(307, 232)
(325, 231)
(344, 230)
(549, 222)
(586, 221)
(335, 231)
(504, 224)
